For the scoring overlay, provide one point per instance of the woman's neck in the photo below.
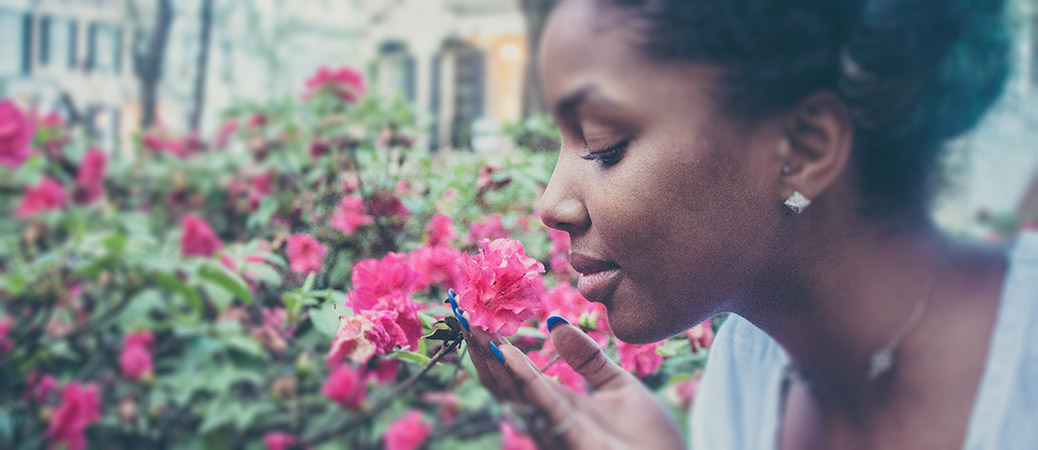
(858, 291)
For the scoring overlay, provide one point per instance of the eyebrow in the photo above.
(568, 104)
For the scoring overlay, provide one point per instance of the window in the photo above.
(57, 42)
(14, 33)
(105, 48)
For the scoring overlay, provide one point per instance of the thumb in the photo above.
(585, 357)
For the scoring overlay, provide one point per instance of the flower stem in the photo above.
(383, 403)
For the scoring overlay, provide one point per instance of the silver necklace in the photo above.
(883, 359)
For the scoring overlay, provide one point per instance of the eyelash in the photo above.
(609, 156)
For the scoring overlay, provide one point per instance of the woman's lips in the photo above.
(598, 278)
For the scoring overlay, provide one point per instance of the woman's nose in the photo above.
(562, 206)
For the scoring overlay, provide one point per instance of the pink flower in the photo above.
(80, 406)
(91, 176)
(560, 370)
(276, 440)
(398, 302)
(5, 328)
(273, 333)
(350, 183)
(345, 386)
(257, 120)
(485, 180)
(318, 148)
(226, 131)
(305, 253)
(686, 390)
(364, 335)
(344, 82)
(512, 439)
(385, 203)
(435, 265)
(135, 360)
(48, 195)
(349, 215)
(385, 276)
(40, 387)
(407, 432)
(701, 336)
(197, 237)
(16, 133)
(489, 228)
(440, 230)
(642, 360)
(448, 403)
(500, 286)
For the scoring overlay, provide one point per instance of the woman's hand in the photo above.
(619, 414)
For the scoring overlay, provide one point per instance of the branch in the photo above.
(382, 404)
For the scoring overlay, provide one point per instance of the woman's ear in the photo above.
(819, 138)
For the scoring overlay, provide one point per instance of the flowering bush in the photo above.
(186, 297)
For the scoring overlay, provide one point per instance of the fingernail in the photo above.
(555, 320)
(454, 301)
(462, 320)
(497, 352)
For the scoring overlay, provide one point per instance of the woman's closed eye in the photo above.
(608, 156)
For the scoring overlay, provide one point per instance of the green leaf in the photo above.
(308, 285)
(226, 279)
(411, 357)
(326, 319)
(174, 284)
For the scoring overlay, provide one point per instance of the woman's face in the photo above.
(671, 206)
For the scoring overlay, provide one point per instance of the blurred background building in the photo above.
(113, 66)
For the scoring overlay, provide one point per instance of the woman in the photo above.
(774, 159)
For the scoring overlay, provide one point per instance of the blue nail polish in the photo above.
(462, 320)
(555, 320)
(497, 353)
(454, 301)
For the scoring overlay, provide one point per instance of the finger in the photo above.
(537, 389)
(586, 358)
(488, 366)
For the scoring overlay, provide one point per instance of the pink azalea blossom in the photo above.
(80, 406)
(48, 195)
(276, 440)
(273, 333)
(5, 328)
(384, 276)
(40, 387)
(500, 286)
(364, 335)
(197, 237)
(349, 215)
(489, 228)
(440, 230)
(485, 180)
(385, 203)
(512, 439)
(305, 253)
(135, 360)
(345, 82)
(401, 304)
(559, 254)
(350, 183)
(226, 131)
(642, 360)
(345, 386)
(91, 176)
(701, 336)
(685, 391)
(408, 432)
(435, 264)
(447, 402)
(560, 370)
(16, 133)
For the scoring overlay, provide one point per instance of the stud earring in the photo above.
(786, 170)
(797, 202)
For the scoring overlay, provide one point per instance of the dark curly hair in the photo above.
(914, 73)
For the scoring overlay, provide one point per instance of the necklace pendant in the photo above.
(881, 362)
